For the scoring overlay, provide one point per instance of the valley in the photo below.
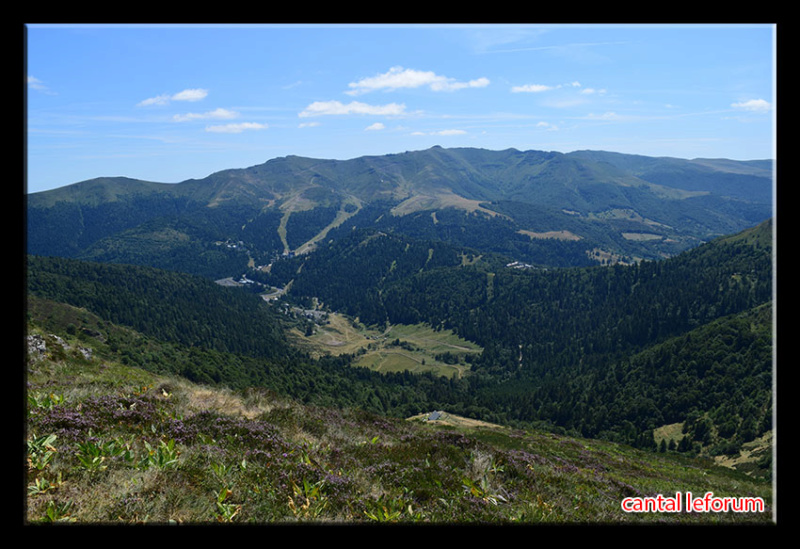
(623, 305)
(396, 348)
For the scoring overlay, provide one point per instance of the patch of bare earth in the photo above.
(444, 418)
(554, 235)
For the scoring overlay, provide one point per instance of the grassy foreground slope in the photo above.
(108, 443)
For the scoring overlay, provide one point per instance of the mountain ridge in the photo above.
(667, 347)
(614, 205)
(497, 161)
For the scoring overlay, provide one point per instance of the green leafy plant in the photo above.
(93, 454)
(226, 512)
(163, 456)
(390, 510)
(43, 485)
(221, 470)
(481, 489)
(307, 500)
(58, 512)
(487, 468)
(40, 451)
(46, 401)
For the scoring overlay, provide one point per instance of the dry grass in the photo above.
(221, 400)
(341, 335)
(440, 200)
(553, 235)
(453, 420)
(258, 449)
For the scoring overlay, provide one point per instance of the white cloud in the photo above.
(236, 128)
(539, 88)
(398, 77)
(185, 95)
(375, 126)
(36, 84)
(217, 113)
(753, 105)
(531, 88)
(451, 85)
(547, 125)
(190, 95)
(605, 116)
(591, 91)
(320, 108)
(157, 100)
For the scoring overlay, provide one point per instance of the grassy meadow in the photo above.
(416, 348)
(108, 443)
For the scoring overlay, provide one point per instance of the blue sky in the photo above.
(168, 103)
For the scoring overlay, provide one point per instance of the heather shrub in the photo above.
(108, 452)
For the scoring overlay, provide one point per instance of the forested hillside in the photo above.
(558, 343)
(599, 290)
(329, 381)
(609, 352)
(544, 208)
(188, 310)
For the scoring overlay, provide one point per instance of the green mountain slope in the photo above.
(185, 309)
(503, 248)
(563, 349)
(558, 344)
(745, 180)
(536, 203)
(113, 444)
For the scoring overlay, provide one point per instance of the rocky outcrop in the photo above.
(37, 347)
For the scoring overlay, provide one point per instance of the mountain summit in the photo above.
(602, 206)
